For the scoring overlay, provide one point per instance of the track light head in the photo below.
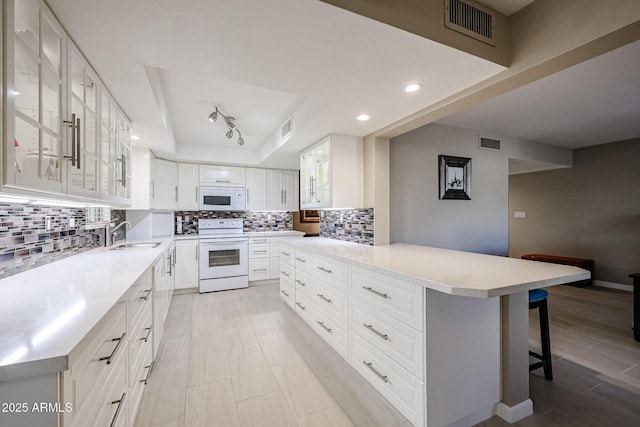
(229, 134)
(213, 116)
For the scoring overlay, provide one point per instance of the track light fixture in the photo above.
(230, 122)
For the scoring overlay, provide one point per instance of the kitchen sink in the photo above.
(147, 245)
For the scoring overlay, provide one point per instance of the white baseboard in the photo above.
(613, 285)
(264, 282)
(512, 414)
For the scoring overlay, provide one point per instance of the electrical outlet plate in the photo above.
(519, 214)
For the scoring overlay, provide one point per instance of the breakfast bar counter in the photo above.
(442, 334)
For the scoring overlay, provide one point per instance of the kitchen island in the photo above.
(442, 334)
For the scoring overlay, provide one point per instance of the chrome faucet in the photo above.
(110, 232)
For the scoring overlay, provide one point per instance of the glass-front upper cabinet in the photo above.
(82, 146)
(315, 176)
(34, 68)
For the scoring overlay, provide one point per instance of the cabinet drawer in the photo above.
(400, 300)
(401, 388)
(304, 307)
(259, 269)
(287, 273)
(303, 282)
(287, 254)
(395, 339)
(138, 381)
(112, 405)
(93, 362)
(140, 337)
(259, 240)
(303, 260)
(288, 294)
(259, 250)
(331, 329)
(141, 295)
(329, 299)
(329, 270)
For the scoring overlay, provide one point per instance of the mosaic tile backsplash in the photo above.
(26, 241)
(352, 225)
(187, 221)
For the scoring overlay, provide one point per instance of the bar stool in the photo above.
(538, 299)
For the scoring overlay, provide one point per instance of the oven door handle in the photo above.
(223, 241)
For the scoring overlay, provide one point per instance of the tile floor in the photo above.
(243, 358)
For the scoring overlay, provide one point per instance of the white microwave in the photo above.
(222, 199)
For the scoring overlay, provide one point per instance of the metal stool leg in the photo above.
(545, 340)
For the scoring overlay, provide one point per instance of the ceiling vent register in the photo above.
(286, 130)
(470, 19)
(489, 144)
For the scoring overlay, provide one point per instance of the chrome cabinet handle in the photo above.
(72, 125)
(109, 358)
(120, 403)
(301, 260)
(260, 252)
(259, 240)
(286, 294)
(325, 298)
(375, 371)
(247, 195)
(301, 282)
(146, 292)
(373, 291)
(146, 377)
(78, 143)
(176, 193)
(124, 170)
(323, 327)
(301, 306)
(285, 196)
(259, 269)
(325, 270)
(219, 180)
(375, 331)
(285, 253)
(146, 337)
(285, 273)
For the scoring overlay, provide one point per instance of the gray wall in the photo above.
(419, 217)
(589, 211)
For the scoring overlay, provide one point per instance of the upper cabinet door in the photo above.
(256, 189)
(82, 145)
(222, 176)
(187, 187)
(35, 47)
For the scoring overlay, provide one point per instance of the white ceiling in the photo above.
(595, 102)
(168, 63)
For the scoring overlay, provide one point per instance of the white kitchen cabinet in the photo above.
(82, 125)
(187, 187)
(186, 263)
(35, 85)
(282, 190)
(221, 176)
(164, 189)
(163, 287)
(331, 173)
(53, 111)
(256, 189)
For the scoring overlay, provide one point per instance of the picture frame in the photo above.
(454, 177)
(309, 216)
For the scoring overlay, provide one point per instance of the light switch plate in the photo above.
(519, 214)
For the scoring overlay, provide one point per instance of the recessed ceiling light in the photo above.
(413, 87)
(135, 137)
(363, 117)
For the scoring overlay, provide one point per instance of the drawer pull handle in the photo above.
(325, 270)
(260, 252)
(323, 327)
(301, 306)
(146, 377)
(286, 294)
(375, 331)
(373, 291)
(115, 350)
(285, 253)
(120, 403)
(325, 298)
(258, 241)
(146, 337)
(375, 371)
(146, 296)
(259, 269)
(301, 282)
(285, 273)
(301, 260)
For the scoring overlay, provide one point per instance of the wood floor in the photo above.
(243, 358)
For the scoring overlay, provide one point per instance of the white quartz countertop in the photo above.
(45, 312)
(274, 233)
(451, 272)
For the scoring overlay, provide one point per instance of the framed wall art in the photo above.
(454, 177)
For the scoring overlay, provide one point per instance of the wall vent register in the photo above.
(471, 19)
